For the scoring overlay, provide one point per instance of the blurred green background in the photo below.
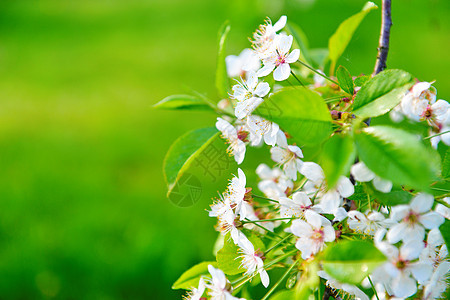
(83, 211)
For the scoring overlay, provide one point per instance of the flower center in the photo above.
(243, 135)
(317, 235)
(412, 218)
(281, 59)
(401, 264)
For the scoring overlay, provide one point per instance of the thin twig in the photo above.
(383, 44)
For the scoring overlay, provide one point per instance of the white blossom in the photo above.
(413, 218)
(297, 206)
(251, 261)
(249, 94)
(280, 59)
(196, 293)
(242, 64)
(368, 223)
(274, 183)
(234, 138)
(264, 36)
(402, 272)
(312, 234)
(289, 158)
(219, 286)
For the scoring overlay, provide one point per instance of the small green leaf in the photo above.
(183, 152)
(391, 198)
(228, 258)
(397, 155)
(182, 102)
(361, 80)
(382, 93)
(340, 39)
(222, 82)
(338, 155)
(351, 261)
(300, 112)
(191, 277)
(360, 194)
(445, 231)
(345, 80)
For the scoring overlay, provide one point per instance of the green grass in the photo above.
(83, 212)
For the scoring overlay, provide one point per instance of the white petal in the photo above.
(422, 203)
(262, 89)
(314, 219)
(396, 232)
(239, 152)
(404, 286)
(329, 234)
(280, 23)
(399, 212)
(411, 249)
(252, 80)
(361, 172)
(421, 271)
(282, 72)
(293, 56)
(382, 185)
(281, 139)
(431, 220)
(298, 152)
(284, 43)
(300, 228)
(266, 70)
(312, 171)
(264, 277)
(345, 187)
(330, 201)
(301, 198)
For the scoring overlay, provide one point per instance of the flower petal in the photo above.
(282, 72)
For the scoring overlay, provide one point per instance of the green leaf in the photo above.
(360, 194)
(228, 258)
(222, 82)
(394, 197)
(351, 261)
(300, 40)
(345, 80)
(338, 155)
(446, 165)
(382, 93)
(191, 277)
(184, 151)
(361, 80)
(182, 102)
(284, 295)
(445, 231)
(397, 155)
(300, 112)
(340, 39)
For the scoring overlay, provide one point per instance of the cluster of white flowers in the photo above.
(300, 195)
(420, 104)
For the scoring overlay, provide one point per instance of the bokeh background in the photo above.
(83, 211)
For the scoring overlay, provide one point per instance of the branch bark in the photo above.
(383, 44)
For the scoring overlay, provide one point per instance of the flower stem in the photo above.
(270, 292)
(432, 136)
(265, 198)
(268, 220)
(293, 74)
(373, 288)
(276, 245)
(317, 72)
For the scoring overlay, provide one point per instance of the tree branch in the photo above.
(383, 44)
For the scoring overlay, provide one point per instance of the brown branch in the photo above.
(383, 44)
